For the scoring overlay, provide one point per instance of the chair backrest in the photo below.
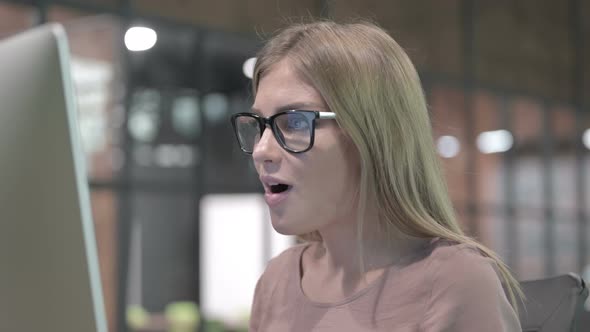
(552, 304)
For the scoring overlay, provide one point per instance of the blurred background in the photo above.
(180, 222)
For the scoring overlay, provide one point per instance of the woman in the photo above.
(340, 137)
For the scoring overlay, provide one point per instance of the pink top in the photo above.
(447, 287)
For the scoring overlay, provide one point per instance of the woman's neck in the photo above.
(339, 251)
(332, 270)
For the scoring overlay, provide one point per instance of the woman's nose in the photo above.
(267, 149)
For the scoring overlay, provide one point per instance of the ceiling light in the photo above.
(586, 139)
(495, 141)
(248, 67)
(140, 39)
(448, 146)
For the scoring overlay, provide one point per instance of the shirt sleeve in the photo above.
(467, 296)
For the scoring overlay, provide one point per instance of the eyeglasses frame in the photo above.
(270, 121)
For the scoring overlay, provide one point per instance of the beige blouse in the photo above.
(447, 287)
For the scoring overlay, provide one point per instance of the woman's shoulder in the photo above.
(287, 259)
(457, 270)
(280, 270)
(452, 261)
(443, 262)
(466, 290)
(462, 275)
(450, 252)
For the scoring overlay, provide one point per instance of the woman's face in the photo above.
(322, 182)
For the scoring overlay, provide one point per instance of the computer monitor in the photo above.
(49, 274)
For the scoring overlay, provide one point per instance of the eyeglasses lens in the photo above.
(248, 131)
(295, 130)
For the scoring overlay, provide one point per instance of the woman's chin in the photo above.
(281, 229)
(285, 228)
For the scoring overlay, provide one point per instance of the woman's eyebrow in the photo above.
(300, 106)
(292, 106)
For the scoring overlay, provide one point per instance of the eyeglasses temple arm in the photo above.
(327, 115)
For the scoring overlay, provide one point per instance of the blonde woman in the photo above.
(340, 136)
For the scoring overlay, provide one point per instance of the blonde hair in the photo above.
(367, 79)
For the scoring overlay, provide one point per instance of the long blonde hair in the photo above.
(367, 79)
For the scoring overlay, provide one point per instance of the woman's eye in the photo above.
(297, 124)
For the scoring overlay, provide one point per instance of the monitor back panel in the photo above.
(49, 279)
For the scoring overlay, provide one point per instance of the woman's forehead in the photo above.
(282, 89)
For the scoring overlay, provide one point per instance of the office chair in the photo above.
(553, 304)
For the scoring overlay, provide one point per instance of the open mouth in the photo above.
(275, 191)
(279, 188)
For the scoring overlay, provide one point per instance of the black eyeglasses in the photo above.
(294, 130)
